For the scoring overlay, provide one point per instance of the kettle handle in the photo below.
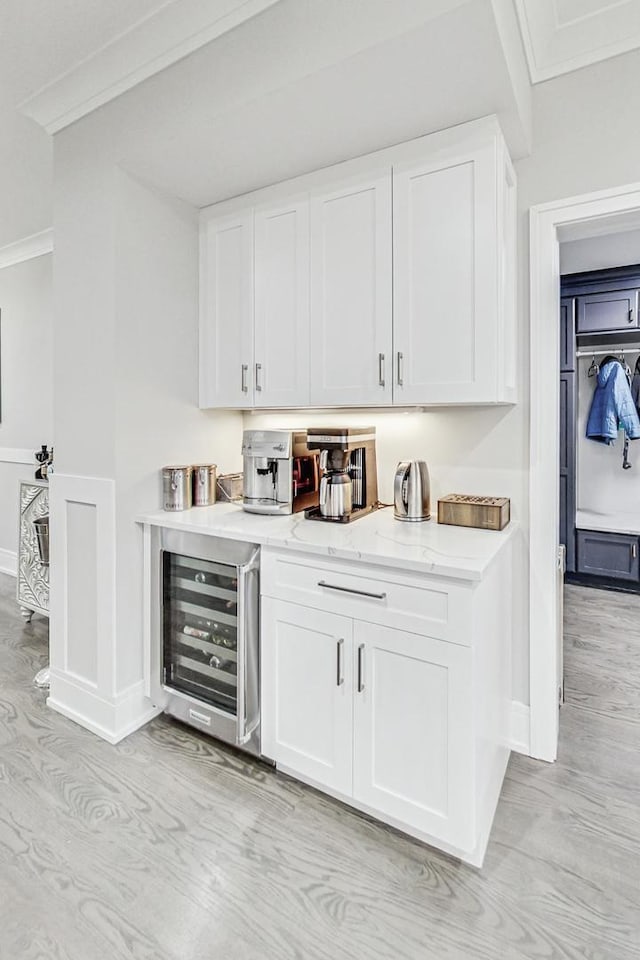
(401, 475)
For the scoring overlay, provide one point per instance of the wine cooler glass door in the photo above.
(201, 629)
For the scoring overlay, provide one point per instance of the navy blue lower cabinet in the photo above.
(612, 555)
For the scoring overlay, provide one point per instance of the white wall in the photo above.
(125, 372)
(157, 416)
(25, 382)
(600, 253)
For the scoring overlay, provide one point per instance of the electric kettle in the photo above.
(412, 491)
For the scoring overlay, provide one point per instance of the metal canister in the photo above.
(204, 484)
(176, 488)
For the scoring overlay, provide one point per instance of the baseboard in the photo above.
(9, 562)
(520, 733)
(111, 720)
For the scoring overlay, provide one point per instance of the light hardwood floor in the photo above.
(171, 847)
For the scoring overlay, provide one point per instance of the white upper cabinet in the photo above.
(226, 310)
(387, 280)
(281, 372)
(451, 213)
(351, 292)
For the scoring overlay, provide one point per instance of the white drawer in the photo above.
(432, 606)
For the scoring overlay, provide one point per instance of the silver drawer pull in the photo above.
(361, 668)
(339, 673)
(359, 593)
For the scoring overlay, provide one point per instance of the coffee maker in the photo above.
(281, 474)
(348, 472)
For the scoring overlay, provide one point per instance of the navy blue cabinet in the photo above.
(612, 555)
(611, 310)
(567, 335)
(568, 466)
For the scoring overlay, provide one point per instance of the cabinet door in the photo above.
(567, 335)
(351, 299)
(614, 555)
(307, 697)
(615, 310)
(226, 311)
(413, 754)
(568, 466)
(446, 301)
(281, 373)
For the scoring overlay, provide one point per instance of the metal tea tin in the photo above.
(204, 484)
(176, 488)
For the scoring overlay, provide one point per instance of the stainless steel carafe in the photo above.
(412, 491)
(336, 495)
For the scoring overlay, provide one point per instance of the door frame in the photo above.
(546, 224)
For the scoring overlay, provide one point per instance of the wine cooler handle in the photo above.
(247, 649)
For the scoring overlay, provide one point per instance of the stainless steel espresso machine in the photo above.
(348, 472)
(281, 474)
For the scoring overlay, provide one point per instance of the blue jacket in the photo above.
(612, 407)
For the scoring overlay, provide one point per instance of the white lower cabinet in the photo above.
(412, 749)
(372, 713)
(307, 704)
(390, 691)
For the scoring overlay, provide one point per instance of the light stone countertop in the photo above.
(428, 547)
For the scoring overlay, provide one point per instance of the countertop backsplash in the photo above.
(467, 449)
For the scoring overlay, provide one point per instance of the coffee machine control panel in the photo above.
(266, 443)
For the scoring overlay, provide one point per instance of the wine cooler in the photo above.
(210, 638)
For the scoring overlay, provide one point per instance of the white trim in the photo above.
(93, 702)
(36, 245)
(520, 737)
(109, 721)
(17, 455)
(545, 222)
(150, 45)
(9, 562)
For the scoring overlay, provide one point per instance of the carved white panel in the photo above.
(564, 35)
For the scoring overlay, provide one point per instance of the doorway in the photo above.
(574, 218)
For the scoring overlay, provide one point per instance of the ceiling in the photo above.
(387, 63)
(565, 35)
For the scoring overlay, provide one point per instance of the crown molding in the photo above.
(161, 39)
(37, 245)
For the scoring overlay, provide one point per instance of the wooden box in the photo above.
(462, 510)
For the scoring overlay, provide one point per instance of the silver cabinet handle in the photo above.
(400, 365)
(243, 381)
(381, 369)
(258, 370)
(361, 668)
(358, 593)
(630, 317)
(339, 673)
(634, 550)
